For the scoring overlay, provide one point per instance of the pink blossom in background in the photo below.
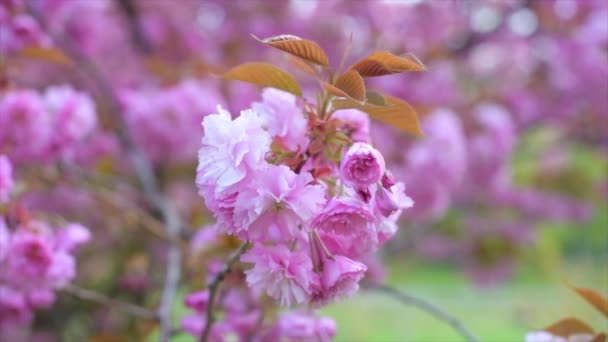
(6, 178)
(301, 326)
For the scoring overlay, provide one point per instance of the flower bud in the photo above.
(386, 202)
(362, 165)
(388, 179)
(364, 194)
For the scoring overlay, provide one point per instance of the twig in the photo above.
(213, 286)
(432, 309)
(137, 34)
(143, 170)
(97, 297)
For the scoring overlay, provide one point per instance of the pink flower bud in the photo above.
(362, 165)
(364, 194)
(386, 202)
(197, 300)
(388, 179)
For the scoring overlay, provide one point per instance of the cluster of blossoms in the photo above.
(47, 126)
(36, 259)
(154, 117)
(311, 216)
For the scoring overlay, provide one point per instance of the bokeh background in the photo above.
(510, 181)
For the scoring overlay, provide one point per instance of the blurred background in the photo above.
(510, 181)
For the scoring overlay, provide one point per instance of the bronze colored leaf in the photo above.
(375, 98)
(334, 90)
(397, 113)
(303, 48)
(594, 298)
(52, 55)
(382, 63)
(569, 326)
(304, 66)
(264, 75)
(601, 337)
(352, 84)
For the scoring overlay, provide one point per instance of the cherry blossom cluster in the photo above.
(36, 258)
(244, 314)
(44, 127)
(309, 193)
(165, 122)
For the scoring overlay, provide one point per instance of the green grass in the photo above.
(504, 313)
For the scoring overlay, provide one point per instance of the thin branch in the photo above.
(143, 170)
(430, 308)
(97, 297)
(214, 285)
(137, 34)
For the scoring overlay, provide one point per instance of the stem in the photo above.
(143, 170)
(214, 285)
(432, 309)
(97, 297)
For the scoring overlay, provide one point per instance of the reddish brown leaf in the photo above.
(601, 337)
(334, 90)
(352, 84)
(397, 113)
(303, 48)
(382, 63)
(264, 75)
(375, 98)
(594, 298)
(304, 66)
(52, 55)
(569, 326)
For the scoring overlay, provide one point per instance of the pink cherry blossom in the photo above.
(26, 125)
(339, 278)
(232, 149)
(72, 236)
(6, 178)
(74, 117)
(346, 225)
(283, 118)
(300, 326)
(354, 122)
(277, 204)
(282, 274)
(362, 165)
(197, 301)
(389, 201)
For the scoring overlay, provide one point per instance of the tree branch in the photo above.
(143, 170)
(432, 309)
(97, 297)
(214, 285)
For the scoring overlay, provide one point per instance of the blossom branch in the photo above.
(431, 308)
(143, 169)
(97, 297)
(214, 285)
